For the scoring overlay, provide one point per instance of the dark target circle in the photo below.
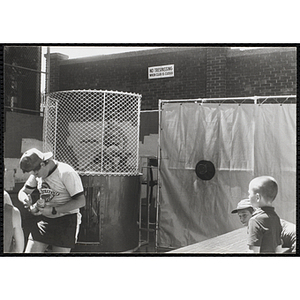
(205, 170)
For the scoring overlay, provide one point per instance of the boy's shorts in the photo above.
(60, 232)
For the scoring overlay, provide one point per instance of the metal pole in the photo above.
(139, 97)
(55, 130)
(254, 98)
(148, 201)
(48, 71)
(45, 121)
(158, 174)
(103, 131)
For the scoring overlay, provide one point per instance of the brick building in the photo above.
(199, 72)
(23, 122)
(22, 78)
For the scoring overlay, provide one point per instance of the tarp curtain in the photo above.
(242, 141)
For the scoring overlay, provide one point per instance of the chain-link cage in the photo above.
(96, 132)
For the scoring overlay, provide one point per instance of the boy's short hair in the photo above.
(266, 186)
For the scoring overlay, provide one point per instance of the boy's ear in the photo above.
(257, 197)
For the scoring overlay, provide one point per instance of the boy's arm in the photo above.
(254, 236)
(26, 190)
(18, 232)
(7, 199)
(24, 196)
(77, 201)
(278, 249)
(254, 249)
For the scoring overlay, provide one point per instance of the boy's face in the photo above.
(41, 171)
(245, 216)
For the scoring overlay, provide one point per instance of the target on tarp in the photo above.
(205, 170)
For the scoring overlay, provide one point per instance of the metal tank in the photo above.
(97, 133)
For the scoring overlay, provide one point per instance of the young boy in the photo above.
(61, 197)
(245, 210)
(288, 236)
(13, 236)
(13, 232)
(264, 228)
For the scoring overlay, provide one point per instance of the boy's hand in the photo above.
(34, 210)
(46, 211)
(27, 201)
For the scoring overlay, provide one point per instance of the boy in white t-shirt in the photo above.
(57, 210)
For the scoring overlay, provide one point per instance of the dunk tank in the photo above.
(97, 133)
(209, 151)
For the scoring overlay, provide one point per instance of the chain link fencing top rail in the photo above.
(283, 99)
(95, 131)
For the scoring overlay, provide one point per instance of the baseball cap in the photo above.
(245, 203)
(31, 159)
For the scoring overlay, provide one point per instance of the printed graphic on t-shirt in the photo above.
(46, 192)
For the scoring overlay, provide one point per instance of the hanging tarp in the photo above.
(242, 141)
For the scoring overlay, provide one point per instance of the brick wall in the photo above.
(200, 72)
(216, 72)
(55, 62)
(129, 73)
(261, 73)
(22, 82)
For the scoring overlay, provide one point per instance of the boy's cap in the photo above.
(243, 204)
(31, 159)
